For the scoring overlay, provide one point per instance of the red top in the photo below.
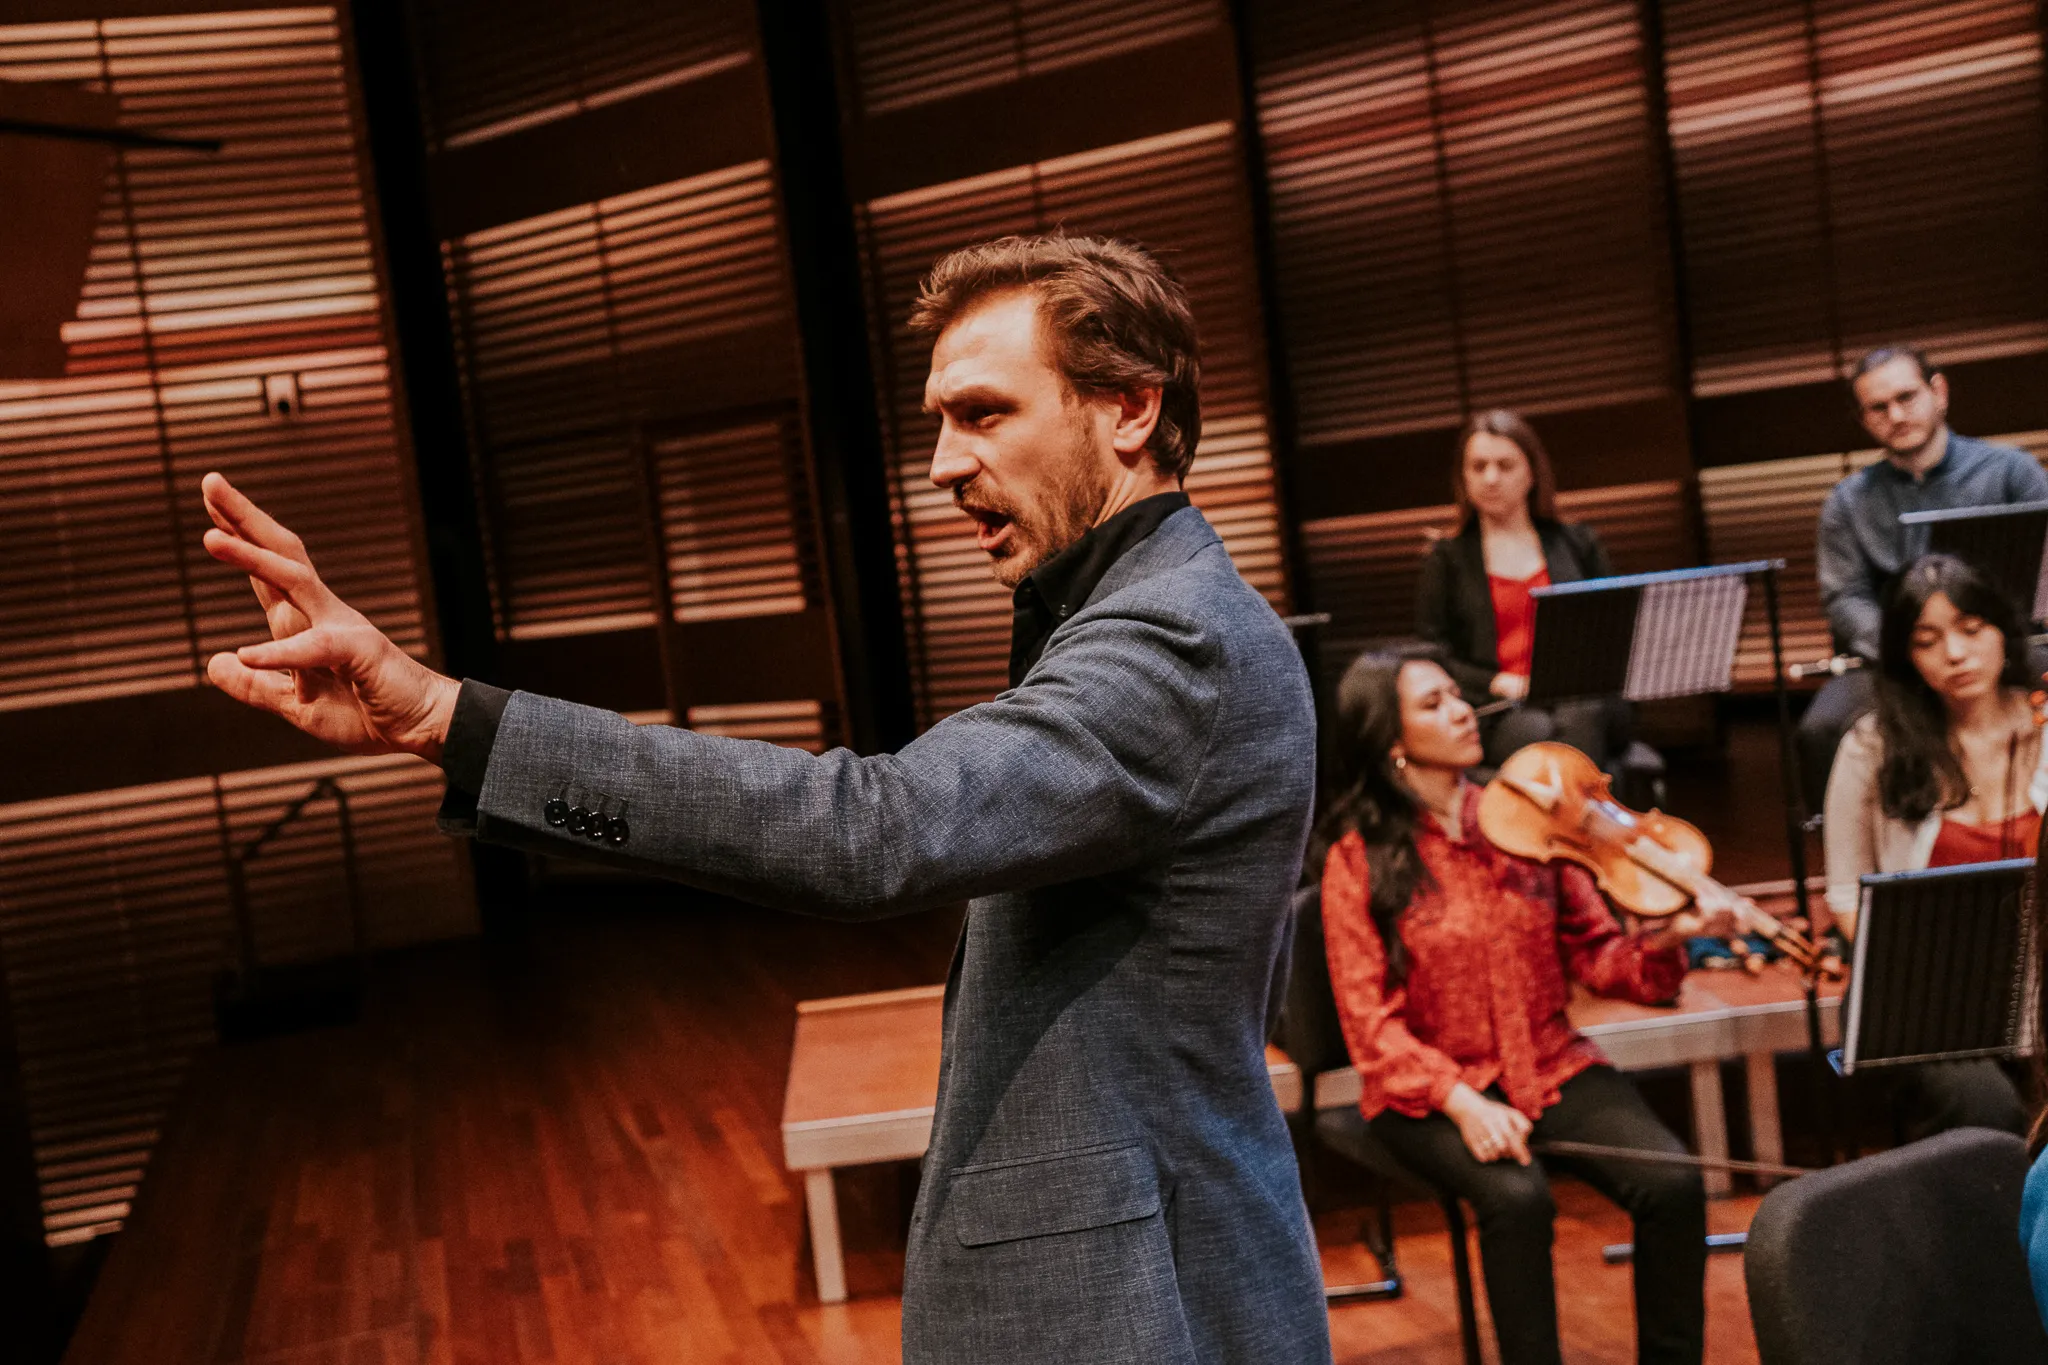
(1514, 619)
(1960, 842)
(1492, 939)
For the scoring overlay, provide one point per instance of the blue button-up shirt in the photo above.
(1863, 547)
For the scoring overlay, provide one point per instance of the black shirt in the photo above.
(1054, 591)
(1060, 587)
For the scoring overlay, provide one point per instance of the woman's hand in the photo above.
(1509, 686)
(1716, 912)
(1491, 1130)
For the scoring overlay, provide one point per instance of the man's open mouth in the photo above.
(991, 529)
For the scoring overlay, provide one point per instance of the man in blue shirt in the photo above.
(1902, 401)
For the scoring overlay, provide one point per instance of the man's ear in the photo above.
(1137, 417)
(1938, 384)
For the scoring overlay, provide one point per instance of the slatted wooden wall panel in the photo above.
(1184, 195)
(209, 275)
(632, 472)
(1363, 571)
(1792, 122)
(910, 52)
(1771, 510)
(411, 886)
(215, 281)
(496, 68)
(573, 325)
(115, 923)
(1465, 209)
(729, 552)
(799, 724)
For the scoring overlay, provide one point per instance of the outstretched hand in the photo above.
(325, 669)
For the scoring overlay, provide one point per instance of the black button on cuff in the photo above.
(579, 819)
(556, 812)
(616, 830)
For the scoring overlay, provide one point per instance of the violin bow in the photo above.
(1655, 1158)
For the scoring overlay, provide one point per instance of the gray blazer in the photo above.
(1109, 1179)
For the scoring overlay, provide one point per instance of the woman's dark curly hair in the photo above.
(1921, 772)
(1362, 790)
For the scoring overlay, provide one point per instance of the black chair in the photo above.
(1310, 1034)
(1911, 1257)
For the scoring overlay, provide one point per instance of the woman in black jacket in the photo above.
(1474, 600)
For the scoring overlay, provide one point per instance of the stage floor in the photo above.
(567, 1150)
(563, 1145)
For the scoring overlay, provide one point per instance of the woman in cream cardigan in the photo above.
(1947, 770)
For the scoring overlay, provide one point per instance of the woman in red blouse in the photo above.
(1450, 961)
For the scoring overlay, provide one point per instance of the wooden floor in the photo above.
(567, 1151)
(1596, 1318)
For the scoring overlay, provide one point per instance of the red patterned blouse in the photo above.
(1491, 944)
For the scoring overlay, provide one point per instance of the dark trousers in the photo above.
(1934, 1097)
(1667, 1203)
(1596, 726)
(1839, 704)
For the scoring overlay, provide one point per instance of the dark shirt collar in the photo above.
(1062, 585)
(1940, 467)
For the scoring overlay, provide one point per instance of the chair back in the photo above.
(1309, 1031)
(1912, 1255)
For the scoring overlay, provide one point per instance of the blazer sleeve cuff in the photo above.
(466, 757)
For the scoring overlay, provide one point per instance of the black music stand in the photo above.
(2006, 543)
(1662, 635)
(1943, 968)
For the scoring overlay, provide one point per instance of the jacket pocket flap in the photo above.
(1054, 1194)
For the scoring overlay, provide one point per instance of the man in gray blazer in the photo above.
(1109, 1179)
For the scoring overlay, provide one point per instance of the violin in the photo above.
(1550, 801)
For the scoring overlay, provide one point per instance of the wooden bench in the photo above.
(1719, 1016)
(863, 1078)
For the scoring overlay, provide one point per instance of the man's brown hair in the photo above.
(1116, 320)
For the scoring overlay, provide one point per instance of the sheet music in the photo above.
(1685, 637)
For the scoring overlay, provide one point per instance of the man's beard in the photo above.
(1910, 441)
(1067, 513)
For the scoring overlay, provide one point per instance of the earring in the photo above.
(1401, 763)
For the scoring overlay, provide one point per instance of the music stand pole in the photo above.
(1795, 846)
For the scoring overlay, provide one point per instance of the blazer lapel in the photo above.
(1478, 598)
(1558, 555)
